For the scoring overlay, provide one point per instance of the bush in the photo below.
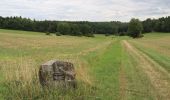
(58, 34)
(135, 28)
(80, 34)
(107, 34)
(47, 33)
(122, 34)
(141, 35)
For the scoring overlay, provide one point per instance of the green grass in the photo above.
(138, 86)
(20, 55)
(163, 60)
(21, 32)
(157, 47)
(105, 70)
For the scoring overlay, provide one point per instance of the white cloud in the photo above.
(90, 10)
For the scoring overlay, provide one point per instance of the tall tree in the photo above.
(135, 28)
(147, 25)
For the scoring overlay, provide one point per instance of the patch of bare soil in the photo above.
(158, 76)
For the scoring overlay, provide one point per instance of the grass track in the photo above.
(136, 84)
(157, 76)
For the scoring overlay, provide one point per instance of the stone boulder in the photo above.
(57, 74)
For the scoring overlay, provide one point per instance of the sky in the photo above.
(85, 10)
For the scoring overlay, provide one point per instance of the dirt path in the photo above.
(158, 76)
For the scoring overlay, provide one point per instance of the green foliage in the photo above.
(157, 25)
(64, 28)
(47, 33)
(107, 34)
(85, 29)
(82, 28)
(135, 28)
(80, 34)
(58, 34)
(122, 33)
(148, 25)
(108, 28)
(75, 30)
(141, 35)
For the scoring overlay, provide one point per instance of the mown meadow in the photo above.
(107, 68)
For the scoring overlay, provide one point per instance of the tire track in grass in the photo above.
(123, 83)
(132, 86)
(157, 75)
(105, 70)
(122, 79)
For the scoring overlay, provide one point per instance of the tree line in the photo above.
(84, 28)
(156, 25)
(76, 28)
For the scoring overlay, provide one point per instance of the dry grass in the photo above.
(155, 72)
(160, 45)
(99, 63)
(22, 54)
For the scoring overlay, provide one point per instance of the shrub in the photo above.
(80, 34)
(58, 34)
(47, 33)
(135, 28)
(107, 34)
(141, 35)
(123, 34)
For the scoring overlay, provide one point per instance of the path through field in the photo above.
(155, 72)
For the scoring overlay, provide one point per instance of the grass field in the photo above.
(107, 68)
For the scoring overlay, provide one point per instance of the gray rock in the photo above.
(57, 73)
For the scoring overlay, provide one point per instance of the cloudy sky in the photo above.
(89, 10)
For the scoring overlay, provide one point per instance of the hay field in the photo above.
(107, 68)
